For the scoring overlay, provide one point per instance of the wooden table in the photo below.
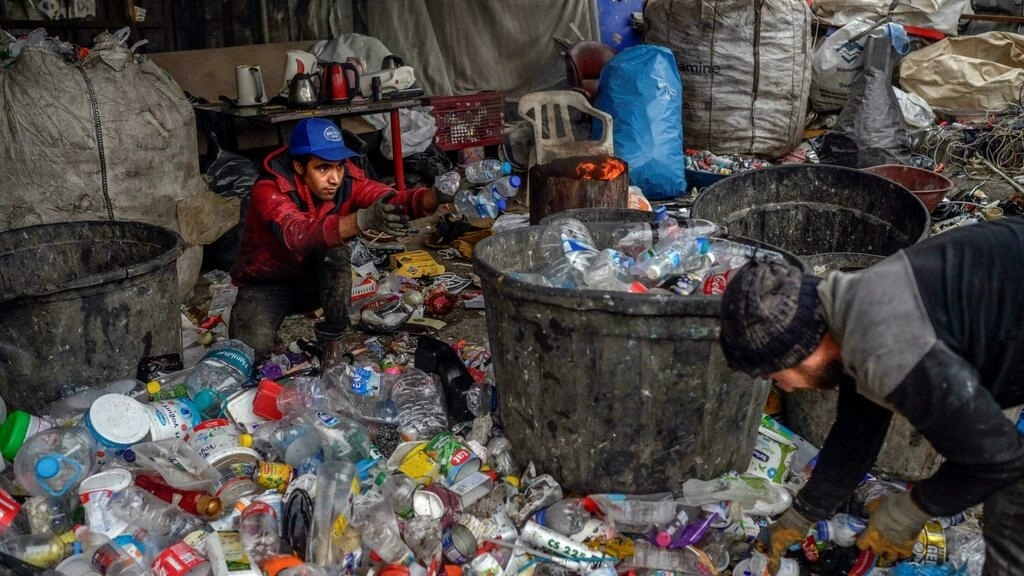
(279, 116)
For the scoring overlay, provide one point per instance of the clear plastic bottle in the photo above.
(359, 390)
(842, 529)
(259, 531)
(608, 270)
(340, 437)
(134, 505)
(632, 512)
(302, 395)
(678, 256)
(566, 516)
(499, 456)
(420, 404)
(105, 556)
(224, 370)
(55, 461)
(465, 203)
(484, 171)
(505, 187)
(489, 204)
(51, 515)
(378, 529)
(40, 550)
(565, 238)
(689, 560)
(336, 487)
(448, 183)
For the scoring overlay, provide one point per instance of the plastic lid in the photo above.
(118, 420)
(660, 213)
(264, 404)
(515, 181)
(245, 440)
(822, 529)
(47, 467)
(153, 387)
(506, 168)
(275, 564)
(112, 479)
(128, 455)
(209, 506)
(12, 433)
(703, 245)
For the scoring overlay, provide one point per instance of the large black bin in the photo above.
(812, 208)
(611, 391)
(834, 218)
(81, 303)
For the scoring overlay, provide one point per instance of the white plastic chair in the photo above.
(548, 111)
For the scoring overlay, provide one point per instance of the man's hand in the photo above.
(893, 527)
(791, 528)
(383, 217)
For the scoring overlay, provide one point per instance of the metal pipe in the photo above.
(264, 22)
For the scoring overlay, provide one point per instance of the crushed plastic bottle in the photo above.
(448, 183)
(420, 404)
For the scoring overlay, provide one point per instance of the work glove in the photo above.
(893, 527)
(383, 217)
(791, 528)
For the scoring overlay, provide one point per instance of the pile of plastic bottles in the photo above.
(363, 469)
(707, 161)
(671, 256)
(483, 189)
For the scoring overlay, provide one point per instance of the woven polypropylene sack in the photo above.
(745, 67)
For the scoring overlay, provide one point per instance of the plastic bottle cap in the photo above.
(47, 467)
(153, 387)
(128, 455)
(515, 181)
(660, 213)
(502, 204)
(822, 529)
(210, 506)
(245, 440)
(393, 370)
(506, 168)
(264, 404)
(12, 433)
(275, 564)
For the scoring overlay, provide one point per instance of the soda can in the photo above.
(439, 503)
(456, 461)
(272, 475)
(458, 544)
(930, 547)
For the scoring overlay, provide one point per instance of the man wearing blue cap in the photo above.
(309, 202)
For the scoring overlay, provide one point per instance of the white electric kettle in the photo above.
(391, 80)
(297, 62)
(249, 85)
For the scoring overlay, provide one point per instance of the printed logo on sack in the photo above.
(699, 68)
(850, 51)
(332, 134)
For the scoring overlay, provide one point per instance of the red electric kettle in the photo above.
(338, 82)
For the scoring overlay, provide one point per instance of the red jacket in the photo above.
(285, 223)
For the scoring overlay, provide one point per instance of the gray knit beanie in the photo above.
(771, 318)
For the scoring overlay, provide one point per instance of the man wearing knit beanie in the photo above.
(935, 333)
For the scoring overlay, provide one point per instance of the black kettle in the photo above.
(303, 92)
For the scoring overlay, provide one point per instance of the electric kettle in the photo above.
(302, 92)
(338, 82)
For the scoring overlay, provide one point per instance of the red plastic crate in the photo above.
(473, 120)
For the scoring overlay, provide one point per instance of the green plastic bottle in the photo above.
(19, 426)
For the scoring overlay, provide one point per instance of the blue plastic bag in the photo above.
(641, 89)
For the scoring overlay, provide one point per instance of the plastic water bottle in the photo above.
(360, 390)
(608, 271)
(478, 205)
(623, 510)
(505, 187)
(448, 183)
(841, 529)
(223, 371)
(499, 456)
(55, 461)
(566, 516)
(341, 438)
(258, 529)
(79, 403)
(490, 203)
(484, 171)
(684, 561)
(378, 529)
(135, 506)
(40, 550)
(669, 532)
(680, 255)
(420, 404)
(336, 487)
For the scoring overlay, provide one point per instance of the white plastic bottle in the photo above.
(223, 371)
(484, 171)
(841, 529)
(505, 187)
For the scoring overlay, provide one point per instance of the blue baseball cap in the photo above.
(320, 138)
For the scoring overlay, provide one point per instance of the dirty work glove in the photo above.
(383, 217)
(893, 527)
(791, 528)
